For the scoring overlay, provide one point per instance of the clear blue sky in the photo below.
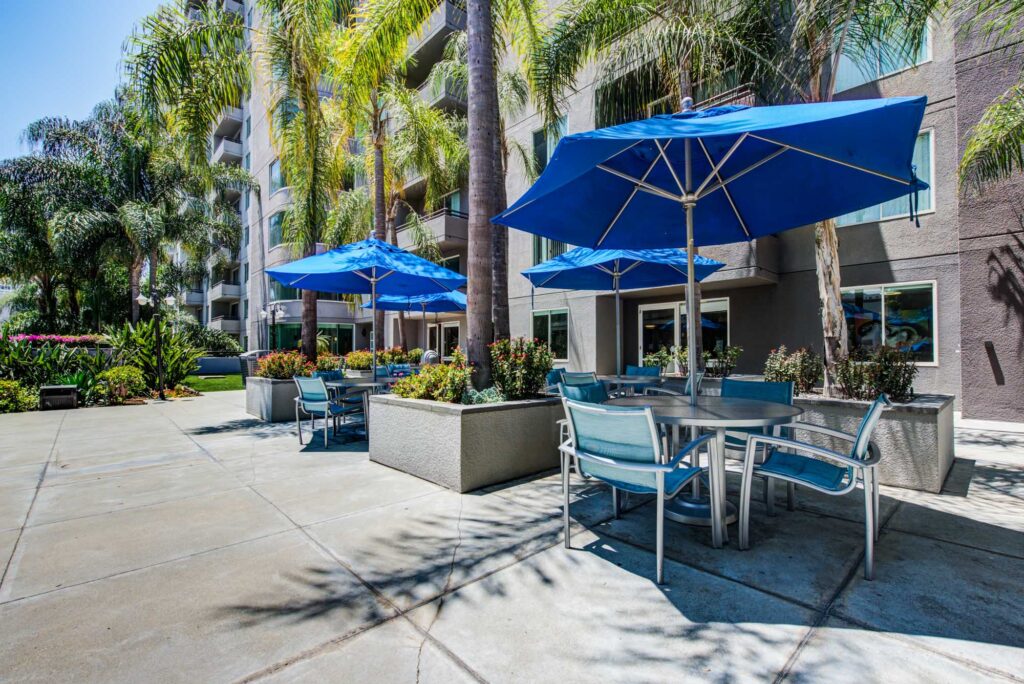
(59, 57)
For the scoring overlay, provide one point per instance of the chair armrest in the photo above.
(568, 448)
(820, 429)
(688, 447)
(662, 390)
(794, 445)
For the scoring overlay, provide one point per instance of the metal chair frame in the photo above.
(326, 409)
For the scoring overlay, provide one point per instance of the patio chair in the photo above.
(554, 377)
(736, 440)
(820, 469)
(399, 370)
(585, 378)
(621, 447)
(653, 371)
(314, 400)
(676, 388)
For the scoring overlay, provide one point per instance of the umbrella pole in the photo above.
(618, 328)
(373, 339)
(691, 328)
(426, 333)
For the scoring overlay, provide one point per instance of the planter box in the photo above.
(269, 400)
(465, 447)
(915, 439)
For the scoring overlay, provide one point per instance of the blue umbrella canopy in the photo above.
(362, 267)
(722, 175)
(599, 269)
(753, 171)
(433, 303)
(618, 269)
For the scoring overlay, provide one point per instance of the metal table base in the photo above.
(691, 510)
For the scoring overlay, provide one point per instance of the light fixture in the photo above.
(170, 300)
(143, 300)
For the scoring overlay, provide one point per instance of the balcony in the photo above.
(228, 123)
(427, 46)
(746, 263)
(231, 7)
(225, 291)
(194, 298)
(449, 227)
(223, 254)
(445, 95)
(227, 151)
(228, 324)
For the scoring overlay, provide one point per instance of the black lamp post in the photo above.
(272, 312)
(169, 300)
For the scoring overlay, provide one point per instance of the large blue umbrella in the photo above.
(368, 267)
(618, 269)
(727, 174)
(441, 302)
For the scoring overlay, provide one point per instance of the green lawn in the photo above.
(214, 384)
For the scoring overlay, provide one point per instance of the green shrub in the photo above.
(391, 356)
(137, 344)
(491, 395)
(15, 397)
(34, 364)
(208, 339)
(328, 362)
(803, 368)
(661, 358)
(414, 355)
(120, 383)
(359, 359)
(724, 360)
(284, 366)
(519, 367)
(865, 375)
(445, 382)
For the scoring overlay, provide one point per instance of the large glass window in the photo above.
(858, 67)
(664, 325)
(552, 326)
(449, 339)
(901, 315)
(452, 263)
(900, 206)
(657, 329)
(275, 230)
(340, 336)
(544, 143)
(276, 177)
(279, 292)
(714, 324)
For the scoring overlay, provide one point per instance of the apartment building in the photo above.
(951, 287)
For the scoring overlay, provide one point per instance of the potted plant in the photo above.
(434, 425)
(270, 394)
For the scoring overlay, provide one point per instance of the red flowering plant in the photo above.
(66, 340)
(519, 366)
(284, 365)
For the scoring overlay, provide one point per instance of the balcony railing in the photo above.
(443, 211)
(447, 17)
(227, 151)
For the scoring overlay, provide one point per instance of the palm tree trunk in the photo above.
(73, 307)
(134, 280)
(379, 216)
(499, 255)
(483, 103)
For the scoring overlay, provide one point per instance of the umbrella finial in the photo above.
(687, 104)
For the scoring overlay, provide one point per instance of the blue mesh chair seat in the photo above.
(591, 393)
(653, 371)
(316, 401)
(585, 378)
(824, 470)
(622, 447)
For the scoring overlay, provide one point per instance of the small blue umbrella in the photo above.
(441, 302)
(368, 267)
(618, 269)
(722, 175)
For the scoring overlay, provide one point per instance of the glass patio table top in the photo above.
(720, 414)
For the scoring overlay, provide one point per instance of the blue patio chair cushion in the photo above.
(578, 378)
(654, 371)
(621, 433)
(777, 392)
(554, 376)
(592, 393)
(810, 470)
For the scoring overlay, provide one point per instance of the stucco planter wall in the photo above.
(464, 447)
(915, 439)
(271, 400)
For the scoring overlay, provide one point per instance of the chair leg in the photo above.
(298, 423)
(746, 485)
(874, 496)
(565, 493)
(790, 496)
(615, 502)
(661, 528)
(769, 495)
(869, 525)
(326, 421)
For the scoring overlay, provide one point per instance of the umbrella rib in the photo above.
(725, 189)
(824, 157)
(642, 185)
(717, 168)
(629, 199)
(671, 169)
(740, 174)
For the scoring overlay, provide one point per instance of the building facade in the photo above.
(951, 288)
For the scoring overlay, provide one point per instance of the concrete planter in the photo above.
(464, 447)
(915, 439)
(270, 400)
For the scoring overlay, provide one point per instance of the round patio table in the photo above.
(720, 414)
(629, 382)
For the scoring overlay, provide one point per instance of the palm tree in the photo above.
(995, 148)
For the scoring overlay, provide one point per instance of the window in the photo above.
(245, 236)
(900, 206)
(248, 162)
(248, 18)
(248, 126)
(453, 263)
(245, 310)
(544, 143)
(885, 60)
(453, 202)
(664, 325)
(245, 272)
(279, 292)
(449, 338)
(552, 326)
(276, 178)
(546, 248)
(245, 201)
(900, 315)
(275, 230)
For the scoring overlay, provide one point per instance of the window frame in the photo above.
(270, 177)
(568, 324)
(935, 311)
(930, 131)
(677, 307)
(270, 220)
(438, 329)
(928, 58)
